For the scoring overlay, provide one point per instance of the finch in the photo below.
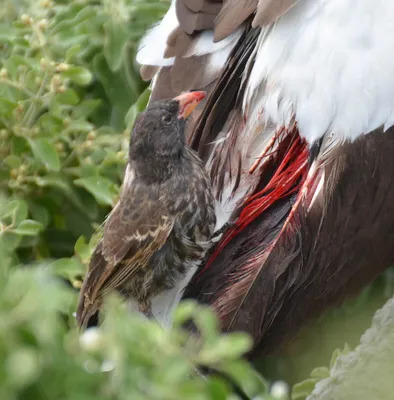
(164, 220)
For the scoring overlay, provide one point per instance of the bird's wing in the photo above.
(283, 76)
(137, 227)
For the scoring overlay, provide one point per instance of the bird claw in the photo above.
(216, 234)
(146, 309)
(221, 230)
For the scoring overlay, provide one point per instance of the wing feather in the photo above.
(138, 226)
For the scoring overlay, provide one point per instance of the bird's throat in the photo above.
(157, 167)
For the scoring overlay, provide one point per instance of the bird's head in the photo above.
(160, 130)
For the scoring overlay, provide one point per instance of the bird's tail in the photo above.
(88, 305)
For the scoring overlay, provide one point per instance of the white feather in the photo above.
(163, 305)
(129, 177)
(205, 44)
(153, 44)
(330, 63)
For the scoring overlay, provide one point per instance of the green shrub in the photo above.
(67, 82)
(129, 357)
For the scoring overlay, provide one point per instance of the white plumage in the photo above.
(153, 44)
(327, 62)
(331, 60)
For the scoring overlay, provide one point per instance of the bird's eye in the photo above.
(167, 118)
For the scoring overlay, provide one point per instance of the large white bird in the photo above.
(297, 135)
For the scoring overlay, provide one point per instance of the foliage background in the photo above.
(69, 93)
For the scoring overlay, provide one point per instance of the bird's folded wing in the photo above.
(133, 232)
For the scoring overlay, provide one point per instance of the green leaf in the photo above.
(217, 389)
(68, 268)
(11, 92)
(15, 61)
(6, 33)
(23, 366)
(50, 124)
(121, 91)
(13, 161)
(6, 106)
(101, 188)
(79, 125)
(45, 152)
(115, 43)
(229, 347)
(337, 353)
(10, 241)
(207, 323)
(86, 108)
(19, 146)
(320, 373)
(183, 312)
(79, 75)
(245, 376)
(94, 240)
(69, 97)
(15, 211)
(39, 213)
(82, 249)
(28, 227)
(72, 52)
(303, 389)
(59, 182)
(136, 108)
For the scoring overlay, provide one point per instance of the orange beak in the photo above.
(188, 102)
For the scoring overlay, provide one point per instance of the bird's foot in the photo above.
(221, 230)
(146, 309)
(216, 234)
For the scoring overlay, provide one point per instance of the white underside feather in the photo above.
(153, 44)
(328, 62)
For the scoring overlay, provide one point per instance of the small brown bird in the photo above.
(165, 218)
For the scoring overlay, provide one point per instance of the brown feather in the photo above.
(131, 236)
(193, 21)
(163, 88)
(206, 6)
(148, 72)
(232, 15)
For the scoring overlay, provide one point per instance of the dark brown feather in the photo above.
(225, 96)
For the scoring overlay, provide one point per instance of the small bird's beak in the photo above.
(188, 102)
